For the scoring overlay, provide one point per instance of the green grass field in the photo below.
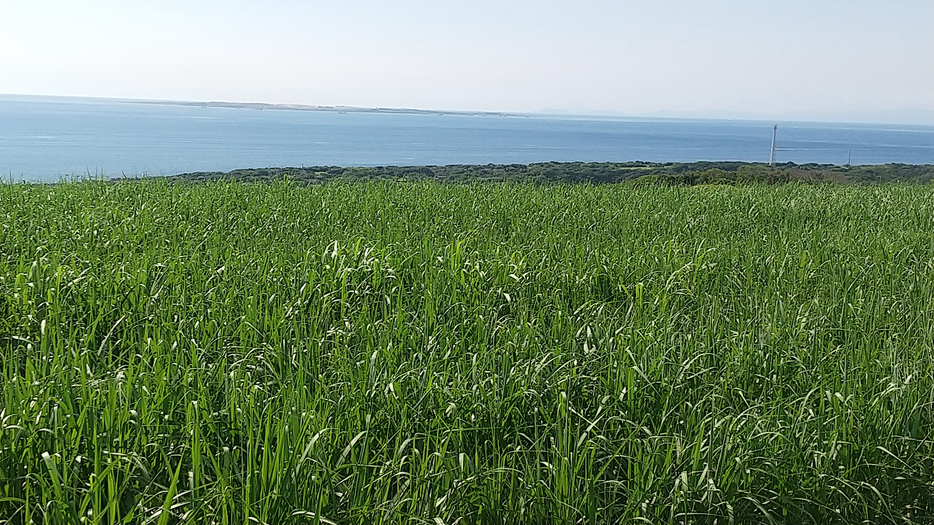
(498, 353)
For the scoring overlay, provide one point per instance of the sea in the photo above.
(58, 138)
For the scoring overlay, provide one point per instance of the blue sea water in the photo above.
(53, 138)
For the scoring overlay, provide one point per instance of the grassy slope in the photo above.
(527, 354)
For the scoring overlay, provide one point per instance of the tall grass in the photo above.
(389, 352)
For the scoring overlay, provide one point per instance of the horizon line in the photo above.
(548, 112)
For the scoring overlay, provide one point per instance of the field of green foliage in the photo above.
(177, 352)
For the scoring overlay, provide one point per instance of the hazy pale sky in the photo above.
(777, 58)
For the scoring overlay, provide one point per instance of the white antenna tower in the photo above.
(772, 153)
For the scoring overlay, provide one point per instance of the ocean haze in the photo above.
(911, 117)
(50, 138)
(791, 60)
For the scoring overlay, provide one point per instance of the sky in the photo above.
(858, 60)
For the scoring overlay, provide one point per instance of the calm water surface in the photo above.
(51, 138)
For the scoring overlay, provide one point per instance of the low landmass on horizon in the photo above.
(906, 117)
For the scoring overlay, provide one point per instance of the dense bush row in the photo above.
(595, 173)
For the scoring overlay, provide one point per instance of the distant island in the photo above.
(307, 107)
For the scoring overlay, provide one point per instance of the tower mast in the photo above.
(772, 153)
